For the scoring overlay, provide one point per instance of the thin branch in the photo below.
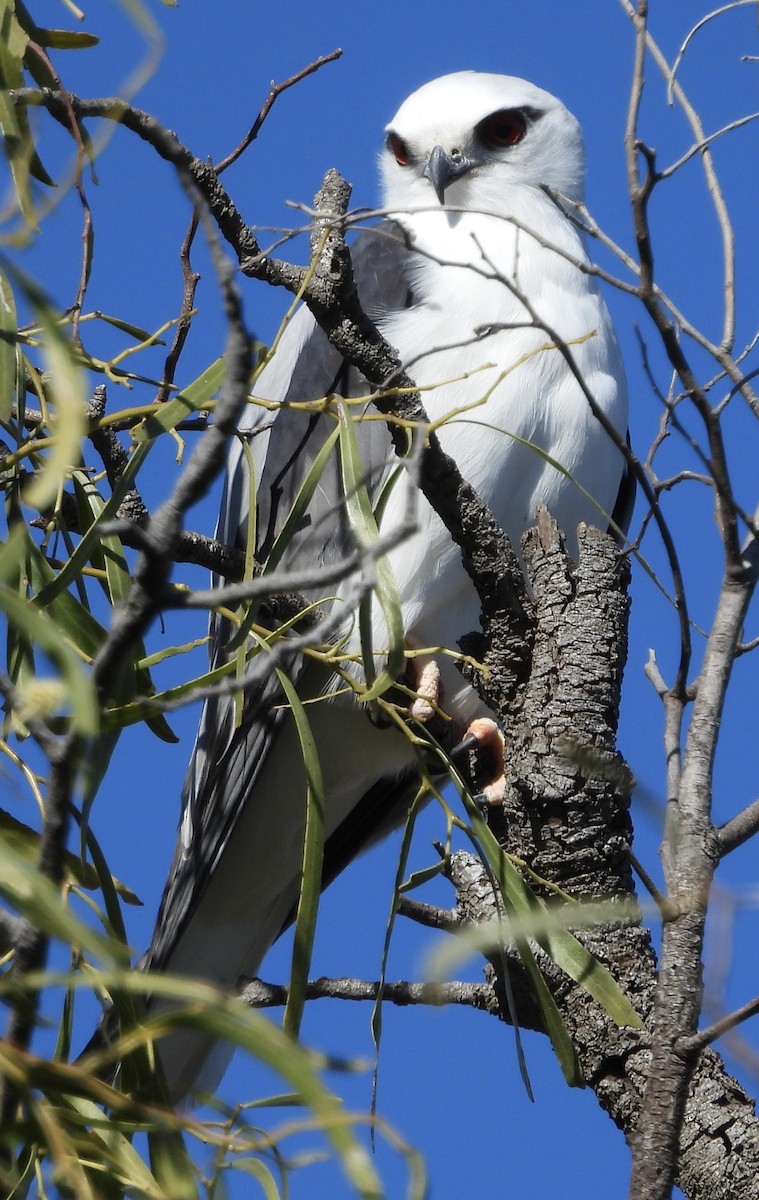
(712, 183)
(285, 582)
(738, 829)
(193, 172)
(717, 12)
(190, 281)
(87, 228)
(258, 994)
(705, 1037)
(429, 915)
(275, 90)
(698, 146)
(654, 892)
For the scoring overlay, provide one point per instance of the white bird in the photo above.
(468, 166)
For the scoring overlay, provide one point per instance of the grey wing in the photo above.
(227, 757)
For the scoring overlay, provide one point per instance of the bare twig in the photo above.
(738, 829)
(705, 1037)
(258, 994)
(717, 12)
(275, 90)
(190, 281)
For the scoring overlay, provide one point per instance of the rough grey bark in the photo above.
(567, 815)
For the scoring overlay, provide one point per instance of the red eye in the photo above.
(399, 149)
(504, 128)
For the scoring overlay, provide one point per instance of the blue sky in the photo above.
(449, 1082)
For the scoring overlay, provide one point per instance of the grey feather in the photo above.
(227, 760)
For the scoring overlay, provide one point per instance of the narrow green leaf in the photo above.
(13, 122)
(33, 895)
(260, 1172)
(25, 842)
(249, 611)
(292, 521)
(8, 329)
(417, 879)
(75, 622)
(559, 944)
(172, 1165)
(109, 553)
(67, 391)
(301, 501)
(120, 1154)
(148, 707)
(85, 549)
(189, 400)
(42, 632)
(67, 39)
(364, 528)
(223, 1017)
(400, 872)
(133, 331)
(20, 647)
(313, 861)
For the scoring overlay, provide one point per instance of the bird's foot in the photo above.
(427, 689)
(485, 738)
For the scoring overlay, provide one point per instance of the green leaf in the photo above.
(118, 1152)
(223, 1017)
(400, 871)
(172, 1165)
(25, 842)
(385, 592)
(42, 632)
(532, 915)
(133, 331)
(20, 647)
(66, 389)
(8, 329)
(75, 622)
(260, 1172)
(189, 400)
(88, 543)
(109, 553)
(313, 860)
(301, 501)
(292, 521)
(559, 944)
(13, 121)
(66, 39)
(35, 897)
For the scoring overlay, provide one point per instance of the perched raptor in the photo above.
(471, 170)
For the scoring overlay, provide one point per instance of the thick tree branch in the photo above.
(566, 814)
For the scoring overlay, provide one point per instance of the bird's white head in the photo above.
(470, 139)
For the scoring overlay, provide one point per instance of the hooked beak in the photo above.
(443, 167)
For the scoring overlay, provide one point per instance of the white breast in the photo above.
(510, 398)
